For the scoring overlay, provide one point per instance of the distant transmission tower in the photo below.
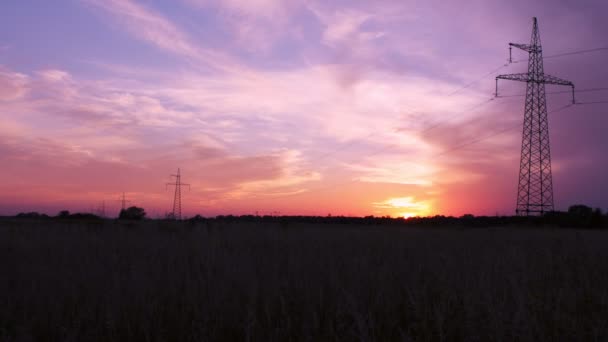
(123, 202)
(535, 188)
(177, 199)
(102, 210)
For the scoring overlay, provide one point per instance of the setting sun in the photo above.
(396, 206)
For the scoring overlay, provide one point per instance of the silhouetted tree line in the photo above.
(577, 216)
(64, 214)
(131, 213)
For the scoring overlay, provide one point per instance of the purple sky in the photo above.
(298, 107)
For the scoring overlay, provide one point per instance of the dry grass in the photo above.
(249, 282)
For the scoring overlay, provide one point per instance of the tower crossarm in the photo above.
(548, 79)
(523, 77)
(175, 184)
(525, 47)
(556, 80)
(526, 77)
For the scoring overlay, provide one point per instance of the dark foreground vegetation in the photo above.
(280, 279)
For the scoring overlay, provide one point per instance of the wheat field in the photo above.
(243, 281)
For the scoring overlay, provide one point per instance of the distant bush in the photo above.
(132, 213)
(63, 214)
(32, 214)
(196, 218)
(83, 216)
(577, 216)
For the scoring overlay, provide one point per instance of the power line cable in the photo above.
(562, 92)
(444, 152)
(478, 105)
(478, 79)
(483, 103)
(592, 102)
(578, 52)
(413, 109)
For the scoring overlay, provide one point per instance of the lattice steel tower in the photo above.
(177, 199)
(535, 188)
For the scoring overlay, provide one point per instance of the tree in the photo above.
(584, 216)
(132, 213)
(64, 214)
(597, 218)
(580, 210)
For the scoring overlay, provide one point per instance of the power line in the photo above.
(439, 154)
(593, 102)
(466, 111)
(438, 123)
(577, 52)
(561, 92)
(392, 146)
(432, 126)
(477, 80)
(428, 128)
(509, 128)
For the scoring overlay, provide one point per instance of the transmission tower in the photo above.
(102, 209)
(123, 202)
(535, 188)
(177, 199)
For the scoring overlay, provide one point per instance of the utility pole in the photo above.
(177, 198)
(535, 187)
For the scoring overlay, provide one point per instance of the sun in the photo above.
(408, 215)
(396, 205)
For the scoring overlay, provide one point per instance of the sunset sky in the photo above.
(291, 107)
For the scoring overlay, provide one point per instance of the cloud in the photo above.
(152, 27)
(292, 179)
(216, 175)
(255, 26)
(344, 26)
(13, 86)
(270, 9)
(54, 75)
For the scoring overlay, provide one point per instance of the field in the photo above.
(240, 281)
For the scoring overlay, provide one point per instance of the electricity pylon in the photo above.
(177, 199)
(123, 202)
(535, 188)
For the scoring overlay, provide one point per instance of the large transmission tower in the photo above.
(535, 188)
(177, 199)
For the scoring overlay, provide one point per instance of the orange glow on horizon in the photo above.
(414, 208)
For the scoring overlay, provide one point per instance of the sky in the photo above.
(305, 107)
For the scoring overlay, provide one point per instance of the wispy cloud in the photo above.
(255, 26)
(270, 9)
(152, 27)
(13, 85)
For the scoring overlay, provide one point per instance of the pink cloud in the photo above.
(94, 176)
(13, 86)
(269, 9)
